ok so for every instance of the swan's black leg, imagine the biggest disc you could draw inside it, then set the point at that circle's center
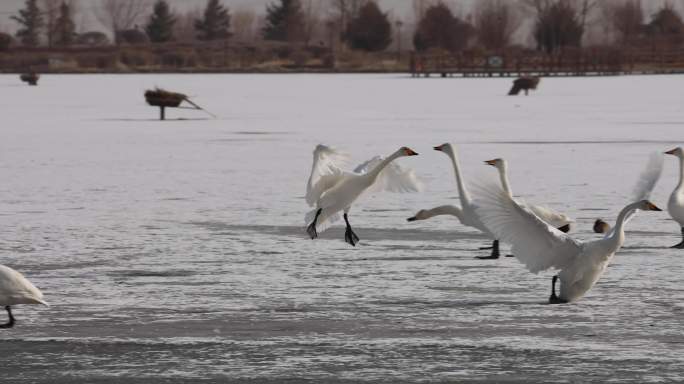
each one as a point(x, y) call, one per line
point(555, 299)
point(349, 235)
point(311, 229)
point(495, 252)
point(485, 248)
point(10, 324)
point(680, 245)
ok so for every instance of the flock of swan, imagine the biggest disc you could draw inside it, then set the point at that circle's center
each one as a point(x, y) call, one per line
point(538, 235)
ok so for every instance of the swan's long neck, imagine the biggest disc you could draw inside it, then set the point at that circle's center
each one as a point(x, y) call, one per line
point(373, 175)
point(462, 191)
point(618, 233)
point(681, 172)
point(313, 170)
point(443, 210)
point(503, 175)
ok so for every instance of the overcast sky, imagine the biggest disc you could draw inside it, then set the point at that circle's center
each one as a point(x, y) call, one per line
point(401, 8)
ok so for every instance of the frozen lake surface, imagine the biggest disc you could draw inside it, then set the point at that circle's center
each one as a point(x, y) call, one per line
point(175, 251)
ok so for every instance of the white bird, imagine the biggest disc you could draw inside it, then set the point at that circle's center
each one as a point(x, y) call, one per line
point(540, 246)
point(548, 215)
point(332, 190)
point(642, 190)
point(467, 214)
point(16, 289)
point(675, 206)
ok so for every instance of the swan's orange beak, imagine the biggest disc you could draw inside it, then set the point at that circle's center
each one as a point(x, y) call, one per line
point(671, 152)
point(652, 207)
point(439, 148)
point(491, 162)
point(411, 152)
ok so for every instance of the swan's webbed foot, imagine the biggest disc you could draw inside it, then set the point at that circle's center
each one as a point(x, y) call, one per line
point(10, 324)
point(555, 300)
point(485, 248)
point(495, 252)
point(349, 235)
point(510, 255)
point(311, 229)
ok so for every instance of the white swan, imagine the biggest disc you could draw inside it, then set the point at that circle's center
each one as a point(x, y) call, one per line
point(642, 190)
point(16, 289)
point(467, 214)
point(332, 190)
point(553, 218)
point(675, 206)
point(540, 246)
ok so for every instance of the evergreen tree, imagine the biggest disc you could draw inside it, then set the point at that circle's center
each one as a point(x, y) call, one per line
point(215, 24)
point(439, 28)
point(31, 21)
point(284, 21)
point(160, 25)
point(65, 29)
point(370, 30)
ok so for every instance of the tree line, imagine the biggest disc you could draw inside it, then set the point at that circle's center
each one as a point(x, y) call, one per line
point(492, 25)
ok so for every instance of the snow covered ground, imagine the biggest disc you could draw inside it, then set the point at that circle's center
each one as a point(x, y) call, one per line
point(176, 250)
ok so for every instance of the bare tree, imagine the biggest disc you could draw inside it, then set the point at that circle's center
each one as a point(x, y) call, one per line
point(244, 24)
point(51, 11)
point(312, 16)
point(495, 23)
point(625, 18)
point(184, 29)
point(559, 23)
point(121, 15)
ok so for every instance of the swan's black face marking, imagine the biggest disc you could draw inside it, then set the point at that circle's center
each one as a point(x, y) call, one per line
point(439, 148)
point(671, 152)
point(652, 207)
point(493, 163)
point(565, 228)
point(409, 152)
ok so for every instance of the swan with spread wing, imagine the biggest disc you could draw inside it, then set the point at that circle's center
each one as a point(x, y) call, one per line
point(553, 218)
point(540, 246)
point(331, 190)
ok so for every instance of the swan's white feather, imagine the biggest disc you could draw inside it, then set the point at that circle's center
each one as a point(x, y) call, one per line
point(16, 289)
point(550, 216)
point(326, 172)
point(536, 244)
point(648, 177)
point(394, 178)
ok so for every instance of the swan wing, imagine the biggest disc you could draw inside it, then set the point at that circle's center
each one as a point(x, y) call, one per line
point(16, 289)
point(536, 244)
point(648, 177)
point(394, 178)
point(325, 172)
point(645, 183)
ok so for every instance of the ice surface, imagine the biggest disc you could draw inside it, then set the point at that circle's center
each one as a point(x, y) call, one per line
point(175, 250)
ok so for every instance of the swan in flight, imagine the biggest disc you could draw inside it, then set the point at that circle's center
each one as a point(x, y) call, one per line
point(675, 206)
point(16, 289)
point(331, 190)
point(555, 219)
point(539, 246)
point(467, 214)
point(642, 190)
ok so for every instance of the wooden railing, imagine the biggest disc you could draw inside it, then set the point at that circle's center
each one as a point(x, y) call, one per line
point(586, 62)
